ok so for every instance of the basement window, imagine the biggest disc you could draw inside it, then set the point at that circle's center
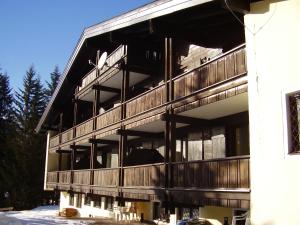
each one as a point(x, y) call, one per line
point(294, 122)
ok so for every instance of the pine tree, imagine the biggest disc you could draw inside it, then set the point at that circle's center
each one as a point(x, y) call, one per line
point(54, 79)
point(7, 128)
point(29, 106)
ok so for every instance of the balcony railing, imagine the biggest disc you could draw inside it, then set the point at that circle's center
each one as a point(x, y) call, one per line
point(67, 135)
point(221, 68)
point(108, 177)
point(109, 117)
point(111, 60)
point(64, 177)
point(81, 177)
point(54, 141)
point(52, 177)
point(229, 173)
point(217, 71)
point(144, 176)
point(146, 101)
point(84, 128)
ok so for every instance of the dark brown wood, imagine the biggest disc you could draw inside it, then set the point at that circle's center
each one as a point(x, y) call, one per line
point(186, 120)
point(139, 133)
point(103, 141)
point(105, 88)
point(85, 147)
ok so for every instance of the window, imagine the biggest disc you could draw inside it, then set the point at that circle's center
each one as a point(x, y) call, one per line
point(87, 200)
point(108, 203)
point(79, 200)
point(97, 202)
point(294, 122)
point(71, 200)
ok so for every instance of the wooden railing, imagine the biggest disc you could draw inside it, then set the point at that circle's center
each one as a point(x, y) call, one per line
point(146, 101)
point(67, 135)
point(111, 60)
point(229, 173)
point(54, 141)
point(64, 177)
point(88, 79)
point(108, 177)
point(221, 68)
point(81, 177)
point(84, 128)
point(109, 117)
point(144, 176)
point(52, 177)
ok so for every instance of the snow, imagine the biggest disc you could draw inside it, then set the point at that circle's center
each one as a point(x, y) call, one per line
point(47, 215)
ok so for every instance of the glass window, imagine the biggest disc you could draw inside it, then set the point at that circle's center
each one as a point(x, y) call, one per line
point(294, 116)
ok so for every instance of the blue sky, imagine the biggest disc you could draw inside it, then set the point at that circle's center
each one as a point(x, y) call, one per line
point(44, 33)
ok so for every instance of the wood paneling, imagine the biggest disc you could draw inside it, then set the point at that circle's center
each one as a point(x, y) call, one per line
point(84, 128)
point(144, 176)
point(147, 101)
point(227, 173)
point(52, 177)
point(67, 136)
point(106, 177)
point(110, 117)
point(81, 177)
point(220, 69)
point(54, 141)
point(64, 177)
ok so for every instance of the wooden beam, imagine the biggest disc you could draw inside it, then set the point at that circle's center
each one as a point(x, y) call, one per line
point(80, 147)
point(139, 133)
point(64, 151)
point(185, 120)
point(103, 141)
point(105, 88)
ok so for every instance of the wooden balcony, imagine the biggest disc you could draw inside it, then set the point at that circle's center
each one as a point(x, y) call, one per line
point(111, 60)
point(64, 180)
point(109, 117)
point(54, 141)
point(67, 136)
point(106, 177)
point(52, 179)
point(228, 173)
point(84, 128)
point(146, 101)
point(222, 68)
point(145, 176)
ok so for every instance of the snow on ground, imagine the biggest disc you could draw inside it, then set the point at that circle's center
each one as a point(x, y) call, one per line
point(43, 215)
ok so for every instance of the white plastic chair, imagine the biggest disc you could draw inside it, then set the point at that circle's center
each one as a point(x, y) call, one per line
point(244, 216)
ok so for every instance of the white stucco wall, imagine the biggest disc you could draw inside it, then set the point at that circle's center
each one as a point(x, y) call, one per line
point(272, 38)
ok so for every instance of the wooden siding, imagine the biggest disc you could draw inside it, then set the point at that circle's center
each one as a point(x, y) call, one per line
point(149, 100)
point(81, 177)
point(84, 128)
point(228, 173)
point(109, 117)
point(67, 136)
point(52, 177)
point(64, 177)
point(54, 141)
point(144, 176)
point(108, 177)
point(111, 60)
point(220, 69)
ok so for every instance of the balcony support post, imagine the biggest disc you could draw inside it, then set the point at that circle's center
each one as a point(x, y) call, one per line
point(93, 161)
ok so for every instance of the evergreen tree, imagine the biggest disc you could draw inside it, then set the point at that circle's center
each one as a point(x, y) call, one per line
point(29, 106)
point(7, 128)
point(54, 79)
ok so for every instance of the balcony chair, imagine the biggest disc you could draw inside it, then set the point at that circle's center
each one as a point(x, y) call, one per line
point(245, 216)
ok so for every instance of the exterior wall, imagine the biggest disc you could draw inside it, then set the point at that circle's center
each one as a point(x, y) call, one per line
point(273, 68)
point(51, 160)
point(146, 208)
point(85, 210)
point(215, 214)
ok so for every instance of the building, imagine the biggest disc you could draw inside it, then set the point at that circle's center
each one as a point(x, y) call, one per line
point(189, 93)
